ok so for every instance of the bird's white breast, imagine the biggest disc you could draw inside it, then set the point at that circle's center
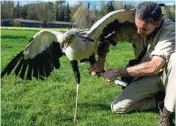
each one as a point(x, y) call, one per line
point(80, 49)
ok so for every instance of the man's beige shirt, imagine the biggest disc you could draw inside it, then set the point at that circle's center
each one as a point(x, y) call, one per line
point(163, 43)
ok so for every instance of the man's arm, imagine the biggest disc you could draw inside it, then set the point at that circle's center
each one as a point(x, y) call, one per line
point(152, 67)
point(148, 68)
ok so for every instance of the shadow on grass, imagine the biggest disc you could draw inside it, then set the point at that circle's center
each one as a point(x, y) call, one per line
point(100, 106)
point(154, 110)
point(12, 37)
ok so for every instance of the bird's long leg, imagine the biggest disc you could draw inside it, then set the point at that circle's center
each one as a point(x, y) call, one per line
point(74, 64)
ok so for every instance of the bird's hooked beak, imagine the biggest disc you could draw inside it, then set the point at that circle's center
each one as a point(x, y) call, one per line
point(66, 42)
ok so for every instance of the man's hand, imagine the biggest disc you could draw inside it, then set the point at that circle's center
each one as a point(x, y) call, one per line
point(98, 67)
point(110, 75)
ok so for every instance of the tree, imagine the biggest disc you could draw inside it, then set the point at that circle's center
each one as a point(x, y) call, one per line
point(102, 11)
point(88, 5)
point(7, 9)
point(10, 6)
point(168, 12)
point(57, 13)
point(60, 10)
point(41, 11)
point(110, 7)
point(18, 10)
point(3, 12)
point(129, 6)
point(31, 12)
point(61, 13)
point(67, 13)
point(118, 5)
point(73, 9)
point(84, 18)
point(24, 12)
point(50, 11)
point(125, 6)
point(60, 3)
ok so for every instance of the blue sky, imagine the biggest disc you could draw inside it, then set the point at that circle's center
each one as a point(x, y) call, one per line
point(93, 3)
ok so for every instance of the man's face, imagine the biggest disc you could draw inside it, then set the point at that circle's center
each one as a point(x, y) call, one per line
point(144, 28)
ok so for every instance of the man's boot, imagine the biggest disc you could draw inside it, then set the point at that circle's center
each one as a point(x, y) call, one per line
point(159, 97)
point(165, 116)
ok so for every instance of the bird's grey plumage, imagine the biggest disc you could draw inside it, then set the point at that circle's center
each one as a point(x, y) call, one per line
point(121, 16)
point(81, 46)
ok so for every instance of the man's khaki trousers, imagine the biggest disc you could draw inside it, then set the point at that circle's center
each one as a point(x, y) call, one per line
point(139, 95)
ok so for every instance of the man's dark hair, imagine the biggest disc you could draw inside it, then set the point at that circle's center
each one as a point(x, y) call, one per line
point(149, 11)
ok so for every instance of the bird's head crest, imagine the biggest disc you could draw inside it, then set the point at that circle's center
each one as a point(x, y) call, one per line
point(69, 36)
point(70, 33)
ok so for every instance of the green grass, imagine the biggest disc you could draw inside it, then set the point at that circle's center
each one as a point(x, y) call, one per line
point(51, 102)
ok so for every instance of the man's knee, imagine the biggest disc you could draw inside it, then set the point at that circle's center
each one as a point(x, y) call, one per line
point(123, 106)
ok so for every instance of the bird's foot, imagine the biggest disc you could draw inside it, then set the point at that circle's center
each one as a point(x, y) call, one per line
point(75, 119)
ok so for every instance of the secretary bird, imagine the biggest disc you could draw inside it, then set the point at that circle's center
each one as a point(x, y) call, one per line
point(41, 56)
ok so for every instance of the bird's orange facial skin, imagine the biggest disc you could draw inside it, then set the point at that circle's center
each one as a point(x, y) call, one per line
point(145, 28)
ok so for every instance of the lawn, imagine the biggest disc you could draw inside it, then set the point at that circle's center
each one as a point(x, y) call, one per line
point(51, 102)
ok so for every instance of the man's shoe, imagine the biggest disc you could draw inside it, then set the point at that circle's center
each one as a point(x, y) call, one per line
point(165, 116)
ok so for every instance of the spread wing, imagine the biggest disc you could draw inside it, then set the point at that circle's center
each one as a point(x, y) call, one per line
point(39, 58)
point(108, 25)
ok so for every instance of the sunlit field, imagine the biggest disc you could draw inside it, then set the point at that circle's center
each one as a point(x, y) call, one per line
point(51, 102)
